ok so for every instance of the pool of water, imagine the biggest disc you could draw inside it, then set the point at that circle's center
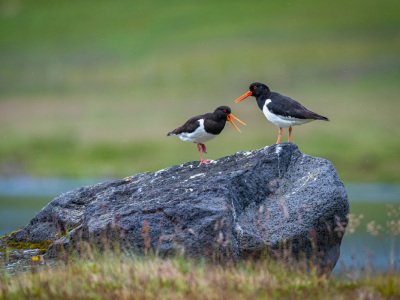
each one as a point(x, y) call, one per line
point(22, 198)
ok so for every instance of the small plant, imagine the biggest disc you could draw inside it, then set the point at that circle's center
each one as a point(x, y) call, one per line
point(354, 223)
point(125, 276)
point(109, 272)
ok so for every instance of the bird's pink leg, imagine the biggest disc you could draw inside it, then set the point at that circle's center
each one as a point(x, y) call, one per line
point(278, 140)
point(202, 148)
point(290, 134)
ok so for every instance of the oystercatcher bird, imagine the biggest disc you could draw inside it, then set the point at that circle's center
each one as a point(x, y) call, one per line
point(202, 128)
point(280, 110)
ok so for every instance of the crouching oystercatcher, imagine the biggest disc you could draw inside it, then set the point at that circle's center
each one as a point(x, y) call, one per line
point(202, 128)
point(280, 110)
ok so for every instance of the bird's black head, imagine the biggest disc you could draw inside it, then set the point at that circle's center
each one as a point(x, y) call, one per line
point(225, 113)
point(256, 89)
point(222, 111)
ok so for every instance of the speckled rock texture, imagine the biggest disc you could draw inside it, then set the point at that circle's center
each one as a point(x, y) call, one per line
point(273, 200)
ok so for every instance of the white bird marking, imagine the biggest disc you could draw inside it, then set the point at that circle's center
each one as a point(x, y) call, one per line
point(282, 121)
point(198, 136)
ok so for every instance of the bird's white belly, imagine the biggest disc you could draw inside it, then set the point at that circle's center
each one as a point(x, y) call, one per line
point(197, 136)
point(282, 121)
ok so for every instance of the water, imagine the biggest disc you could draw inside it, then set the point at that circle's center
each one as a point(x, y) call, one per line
point(363, 251)
point(22, 198)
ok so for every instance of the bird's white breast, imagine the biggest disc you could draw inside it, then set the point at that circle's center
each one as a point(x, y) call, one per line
point(281, 121)
point(198, 136)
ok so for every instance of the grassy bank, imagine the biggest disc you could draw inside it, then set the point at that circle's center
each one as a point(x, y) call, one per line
point(124, 277)
point(90, 89)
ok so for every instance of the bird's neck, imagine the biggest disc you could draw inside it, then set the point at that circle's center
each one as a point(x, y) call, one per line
point(262, 98)
point(217, 117)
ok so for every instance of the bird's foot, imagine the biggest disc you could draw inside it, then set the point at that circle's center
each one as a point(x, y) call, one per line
point(205, 162)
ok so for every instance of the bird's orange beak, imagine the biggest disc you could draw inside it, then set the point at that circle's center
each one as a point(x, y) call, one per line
point(231, 117)
point(244, 96)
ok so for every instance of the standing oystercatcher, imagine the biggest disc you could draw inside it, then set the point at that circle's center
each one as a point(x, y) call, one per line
point(203, 128)
point(280, 110)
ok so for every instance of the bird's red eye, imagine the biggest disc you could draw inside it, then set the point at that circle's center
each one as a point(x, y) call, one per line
point(254, 87)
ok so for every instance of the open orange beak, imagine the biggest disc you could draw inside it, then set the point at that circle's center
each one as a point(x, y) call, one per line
point(231, 117)
point(244, 96)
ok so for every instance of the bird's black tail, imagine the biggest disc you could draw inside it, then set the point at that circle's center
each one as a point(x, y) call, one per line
point(316, 116)
point(322, 118)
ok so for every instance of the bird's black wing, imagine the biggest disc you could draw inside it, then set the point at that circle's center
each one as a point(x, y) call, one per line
point(189, 126)
point(288, 107)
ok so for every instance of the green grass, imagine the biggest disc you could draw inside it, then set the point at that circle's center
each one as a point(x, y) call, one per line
point(28, 203)
point(377, 212)
point(127, 277)
point(116, 275)
point(91, 88)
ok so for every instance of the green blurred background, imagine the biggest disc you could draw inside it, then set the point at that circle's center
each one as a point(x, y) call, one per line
point(90, 88)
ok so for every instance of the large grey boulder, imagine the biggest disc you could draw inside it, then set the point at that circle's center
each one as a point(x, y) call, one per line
point(273, 200)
